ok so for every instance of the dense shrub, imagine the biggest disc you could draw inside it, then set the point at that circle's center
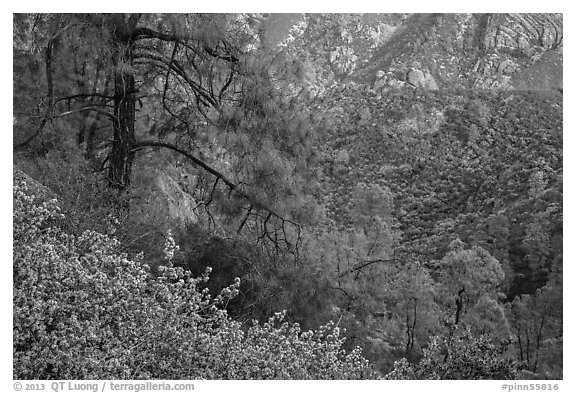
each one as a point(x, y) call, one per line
point(82, 310)
point(461, 355)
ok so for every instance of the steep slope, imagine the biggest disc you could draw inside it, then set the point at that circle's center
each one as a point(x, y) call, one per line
point(473, 51)
point(459, 115)
point(485, 51)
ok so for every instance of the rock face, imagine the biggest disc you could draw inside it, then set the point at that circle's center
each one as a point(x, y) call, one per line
point(487, 51)
point(426, 51)
point(179, 204)
point(524, 32)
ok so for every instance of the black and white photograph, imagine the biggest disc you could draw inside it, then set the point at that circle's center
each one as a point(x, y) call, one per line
point(287, 196)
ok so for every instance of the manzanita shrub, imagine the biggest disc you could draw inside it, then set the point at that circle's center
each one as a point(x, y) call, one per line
point(84, 310)
point(460, 355)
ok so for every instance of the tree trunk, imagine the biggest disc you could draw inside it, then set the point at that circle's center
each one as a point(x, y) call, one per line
point(459, 305)
point(122, 154)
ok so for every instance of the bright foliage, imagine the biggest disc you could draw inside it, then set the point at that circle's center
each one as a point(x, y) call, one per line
point(82, 310)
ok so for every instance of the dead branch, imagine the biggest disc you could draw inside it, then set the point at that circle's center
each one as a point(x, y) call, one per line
point(233, 187)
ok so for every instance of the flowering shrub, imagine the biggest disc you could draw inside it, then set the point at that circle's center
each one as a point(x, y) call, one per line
point(82, 310)
point(462, 356)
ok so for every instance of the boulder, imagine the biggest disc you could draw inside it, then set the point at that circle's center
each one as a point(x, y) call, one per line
point(421, 79)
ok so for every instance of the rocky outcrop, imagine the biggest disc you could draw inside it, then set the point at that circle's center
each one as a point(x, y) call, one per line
point(485, 51)
point(388, 80)
point(524, 32)
point(414, 77)
point(180, 206)
point(426, 51)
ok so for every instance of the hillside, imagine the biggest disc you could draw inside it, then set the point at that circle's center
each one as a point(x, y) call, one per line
point(454, 160)
point(386, 190)
point(485, 51)
point(459, 118)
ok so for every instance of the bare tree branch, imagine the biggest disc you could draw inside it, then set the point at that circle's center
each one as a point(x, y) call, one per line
point(224, 56)
point(361, 265)
point(175, 66)
point(231, 185)
point(80, 96)
point(90, 108)
point(141, 33)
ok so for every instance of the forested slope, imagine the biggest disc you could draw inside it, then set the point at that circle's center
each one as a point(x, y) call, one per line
point(455, 161)
point(397, 174)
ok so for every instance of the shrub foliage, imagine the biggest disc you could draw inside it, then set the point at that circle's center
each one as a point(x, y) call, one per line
point(83, 310)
